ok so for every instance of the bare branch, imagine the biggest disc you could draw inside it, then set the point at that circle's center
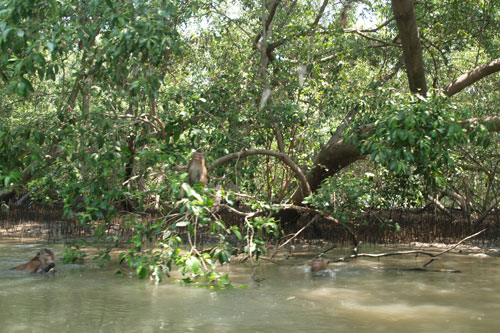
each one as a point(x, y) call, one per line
point(328, 58)
point(380, 41)
point(279, 136)
point(281, 156)
point(269, 20)
point(439, 205)
point(399, 253)
point(229, 20)
point(404, 12)
point(374, 29)
point(296, 234)
point(345, 123)
point(486, 212)
point(394, 71)
point(320, 14)
point(457, 244)
point(323, 215)
point(467, 79)
point(272, 46)
point(492, 123)
point(144, 120)
point(380, 255)
point(237, 212)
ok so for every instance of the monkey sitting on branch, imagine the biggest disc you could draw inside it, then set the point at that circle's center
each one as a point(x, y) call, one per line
point(197, 171)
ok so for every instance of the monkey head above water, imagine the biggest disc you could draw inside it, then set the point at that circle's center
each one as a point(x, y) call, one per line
point(318, 264)
point(43, 262)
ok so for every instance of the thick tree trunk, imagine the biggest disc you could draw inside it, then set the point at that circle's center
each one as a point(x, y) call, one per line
point(337, 155)
point(404, 12)
point(331, 159)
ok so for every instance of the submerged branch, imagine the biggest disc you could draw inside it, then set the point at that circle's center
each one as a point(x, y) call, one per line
point(398, 253)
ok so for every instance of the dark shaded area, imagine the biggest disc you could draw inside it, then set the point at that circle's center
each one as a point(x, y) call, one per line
point(427, 226)
point(37, 221)
point(377, 227)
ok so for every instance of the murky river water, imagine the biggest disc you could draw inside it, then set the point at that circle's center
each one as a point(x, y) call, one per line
point(362, 296)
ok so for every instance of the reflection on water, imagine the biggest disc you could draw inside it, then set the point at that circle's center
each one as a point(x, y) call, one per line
point(362, 296)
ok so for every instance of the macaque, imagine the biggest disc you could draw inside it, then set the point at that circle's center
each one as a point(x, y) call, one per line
point(343, 19)
point(197, 172)
point(43, 262)
point(318, 264)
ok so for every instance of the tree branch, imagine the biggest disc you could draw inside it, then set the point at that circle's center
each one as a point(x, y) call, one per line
point(339, 154)
point(323, 215)
point(320, 14)
point(372, 30)
point(269, 20)
point(471, 77)
point(382, 42)
point(399, 253)
point(281, 156)
point(404, 12)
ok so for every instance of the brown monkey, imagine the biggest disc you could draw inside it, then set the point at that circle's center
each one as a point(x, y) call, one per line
point(43, 262)
point(318, 264)
point(197, 171)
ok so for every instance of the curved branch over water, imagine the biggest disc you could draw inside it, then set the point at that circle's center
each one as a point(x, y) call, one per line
point(304, 184)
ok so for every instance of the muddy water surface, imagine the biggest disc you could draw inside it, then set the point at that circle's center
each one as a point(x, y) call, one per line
point(362, 296)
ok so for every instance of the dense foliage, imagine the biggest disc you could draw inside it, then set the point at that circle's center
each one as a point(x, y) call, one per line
point(102, 101)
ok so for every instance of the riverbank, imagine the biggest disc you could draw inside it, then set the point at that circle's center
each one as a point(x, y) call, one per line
point(415, 229)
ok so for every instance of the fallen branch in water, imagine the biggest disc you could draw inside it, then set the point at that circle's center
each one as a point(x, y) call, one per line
point(430, 254)
point(325, 216)
point(294, 236)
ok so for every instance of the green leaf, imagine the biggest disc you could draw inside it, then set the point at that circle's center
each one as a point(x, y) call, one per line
point(51, 46)
point(237, 233)
point(142, 272)
point(182, 224)
point(6, 33)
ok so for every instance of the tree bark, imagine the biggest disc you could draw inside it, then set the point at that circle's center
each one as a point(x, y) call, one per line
point(471, 77)
point(404, 12)
point(330, 160)
point(337, 155)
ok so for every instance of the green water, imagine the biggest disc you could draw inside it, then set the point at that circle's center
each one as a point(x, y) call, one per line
point(362, 296)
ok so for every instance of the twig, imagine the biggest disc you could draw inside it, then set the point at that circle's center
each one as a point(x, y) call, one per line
point(380, 41)
point(486, 212)
point(325, 251)
point(237, 212)
point(298, 232)
point(295, 235)
point(463, 240)
point(373, 29)
point(322, 215)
